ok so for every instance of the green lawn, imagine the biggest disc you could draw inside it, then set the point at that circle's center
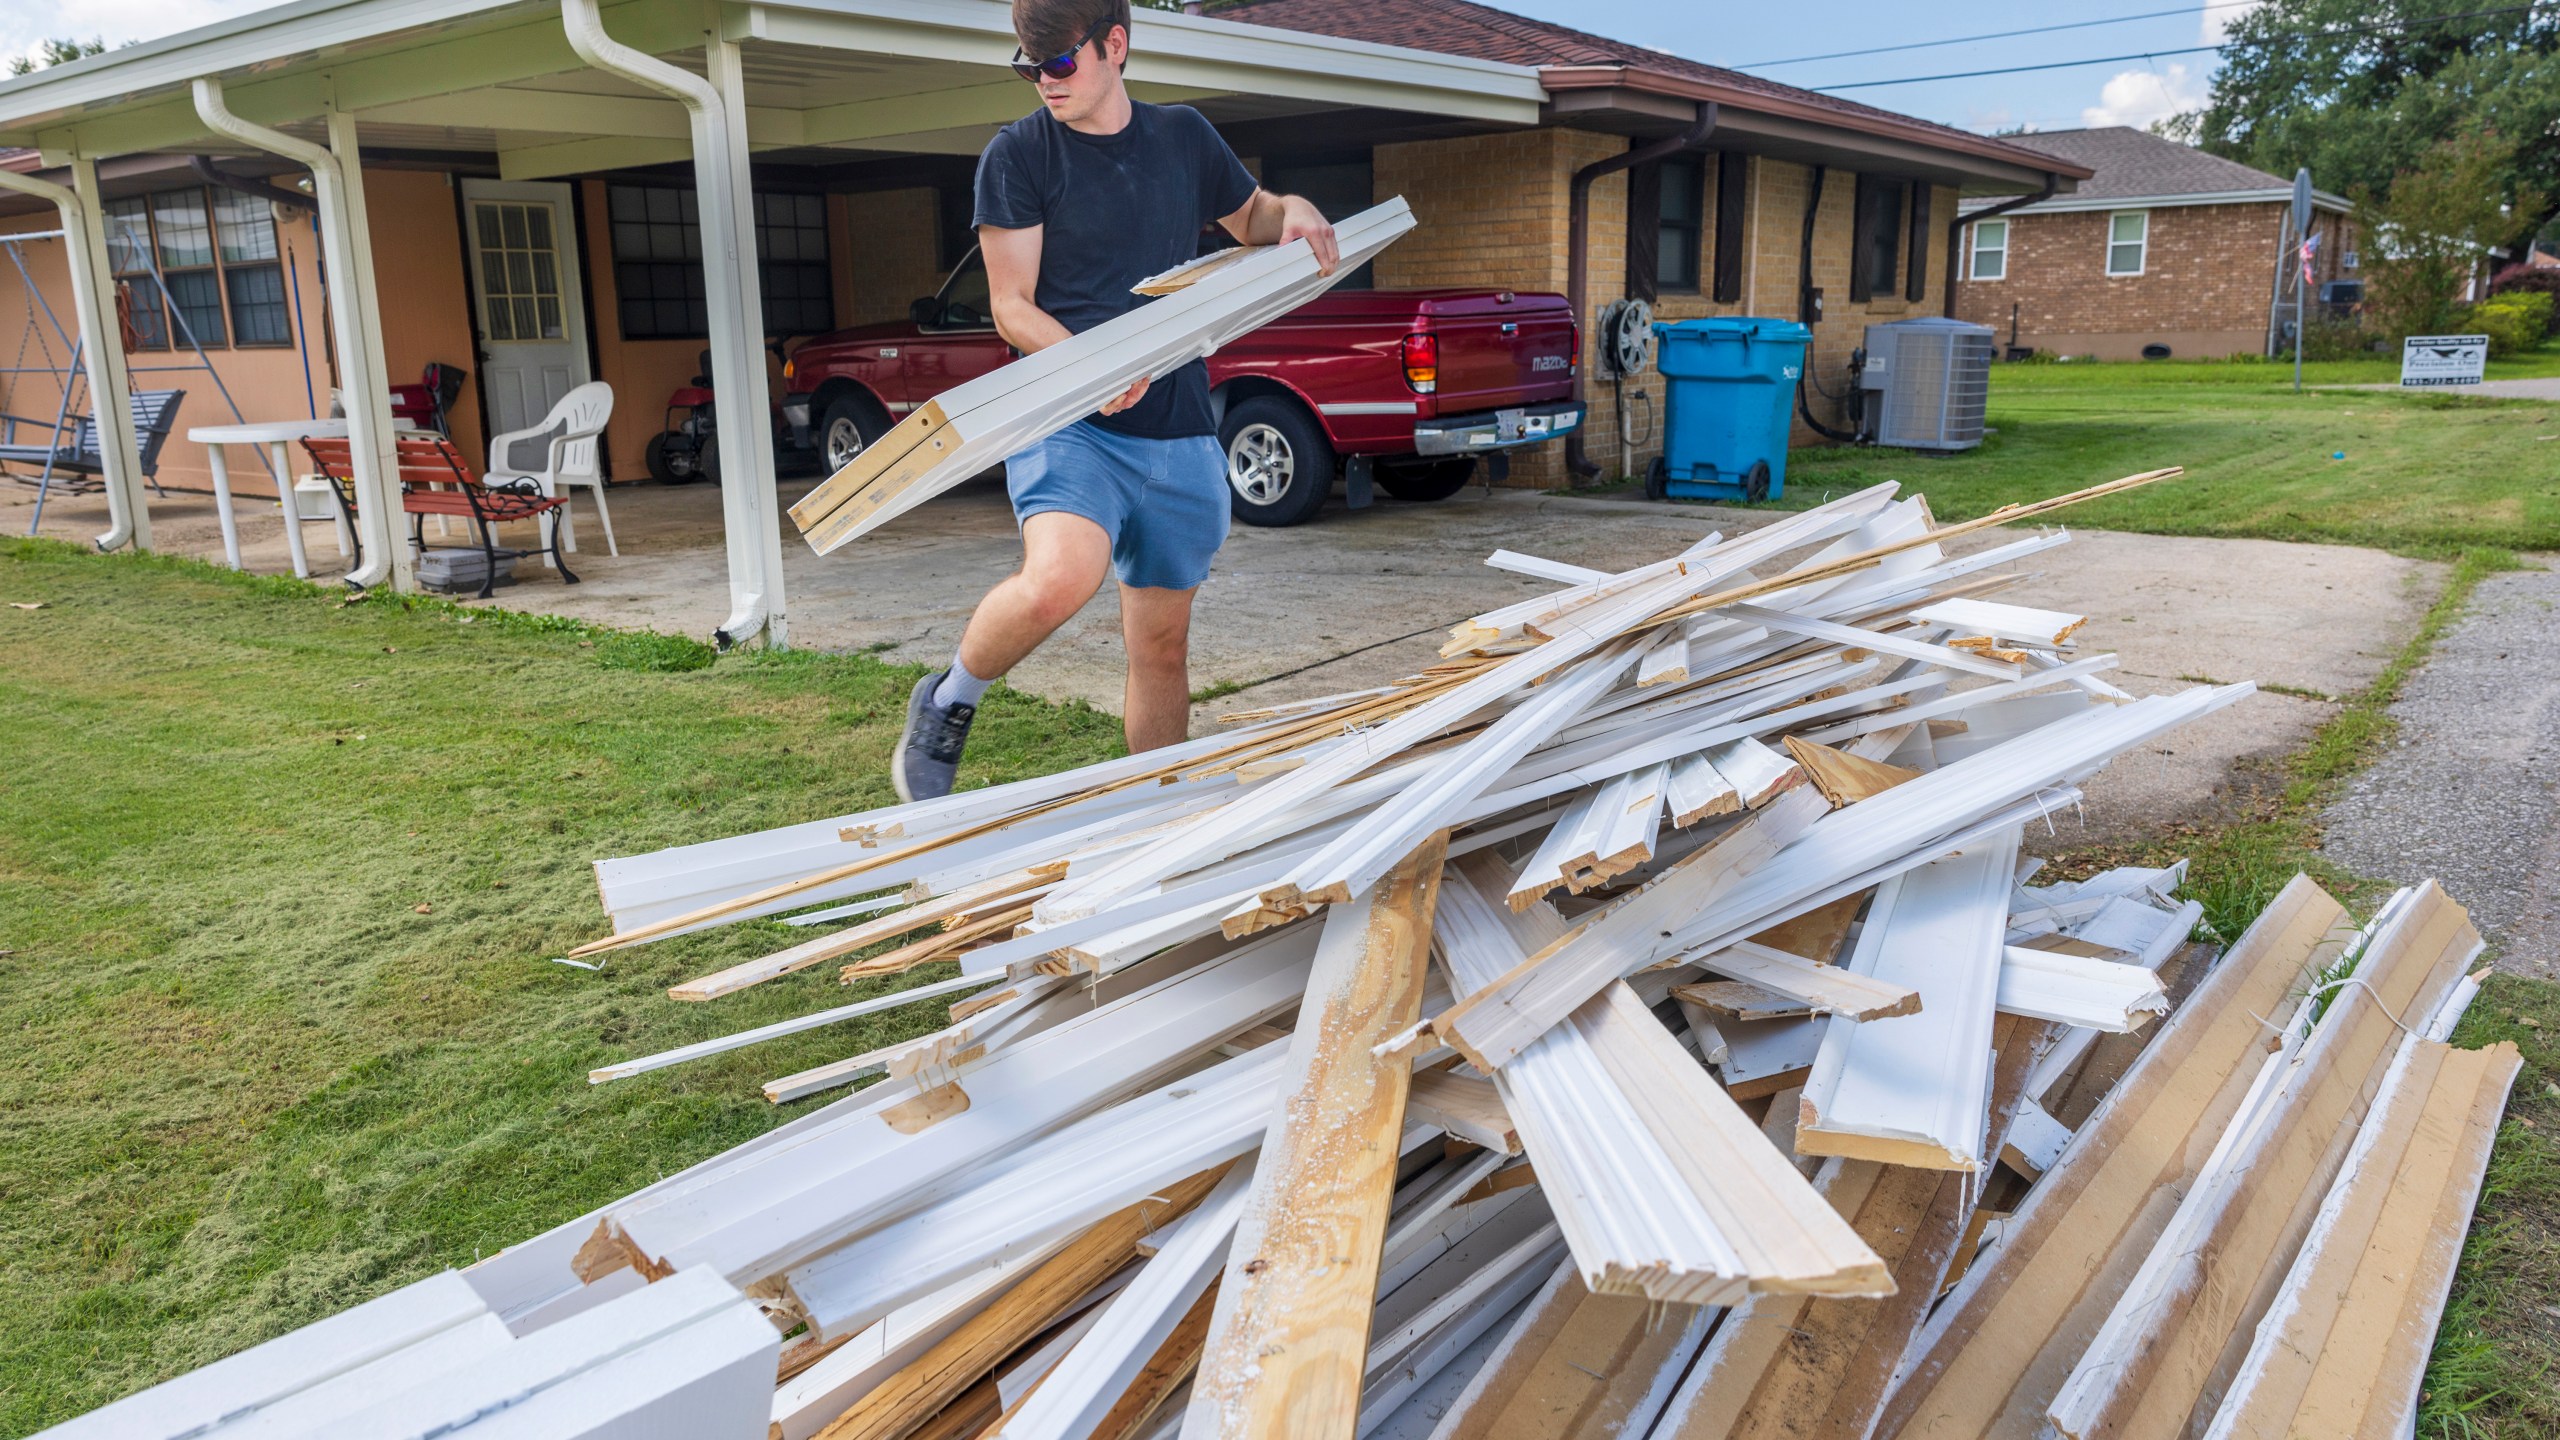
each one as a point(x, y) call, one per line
point(249, 1082)
point(2424, 474)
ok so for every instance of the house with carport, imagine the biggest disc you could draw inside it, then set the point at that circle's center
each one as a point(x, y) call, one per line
point(331, 194)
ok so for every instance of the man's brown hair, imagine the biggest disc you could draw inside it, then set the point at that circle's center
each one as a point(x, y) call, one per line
point(1049, 28)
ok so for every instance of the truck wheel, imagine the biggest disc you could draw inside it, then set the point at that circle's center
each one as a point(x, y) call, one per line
point(849, 427)
point(670, 465)
point(1421, 481)
point(1279, 464)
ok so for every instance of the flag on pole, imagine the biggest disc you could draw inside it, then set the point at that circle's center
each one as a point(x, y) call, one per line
point(2310, 244)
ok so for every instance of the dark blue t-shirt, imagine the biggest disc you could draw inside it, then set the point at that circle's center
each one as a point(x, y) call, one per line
point(1115, 209)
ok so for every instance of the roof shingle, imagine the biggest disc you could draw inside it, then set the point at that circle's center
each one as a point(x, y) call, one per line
point(2134, 163)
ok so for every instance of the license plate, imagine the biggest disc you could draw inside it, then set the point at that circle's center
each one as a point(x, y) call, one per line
point(1507, 423)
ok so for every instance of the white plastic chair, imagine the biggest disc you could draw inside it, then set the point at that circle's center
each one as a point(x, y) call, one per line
point(569, 458)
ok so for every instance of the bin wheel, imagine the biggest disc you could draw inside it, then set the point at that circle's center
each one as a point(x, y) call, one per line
point(1657, 480)
point(1755, 484)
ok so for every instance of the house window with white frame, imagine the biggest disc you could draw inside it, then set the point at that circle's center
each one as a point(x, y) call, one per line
point(2128, 241)
point(1990, 250)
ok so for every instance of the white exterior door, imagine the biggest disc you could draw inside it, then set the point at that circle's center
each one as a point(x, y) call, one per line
point(527, 303)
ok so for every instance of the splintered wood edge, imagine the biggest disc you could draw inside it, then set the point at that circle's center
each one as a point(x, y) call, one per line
point(608, 1250)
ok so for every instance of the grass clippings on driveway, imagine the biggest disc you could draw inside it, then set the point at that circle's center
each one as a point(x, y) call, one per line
point(279, 880)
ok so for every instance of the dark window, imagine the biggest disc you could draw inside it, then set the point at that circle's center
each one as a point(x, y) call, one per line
point(217, 250)
point(1683, 223)
point(657, 262)
point(956, 206)
point(1339, 185)
point(1732, 176)
point(1918, 286)
point(1875, 261)
point(791, 247)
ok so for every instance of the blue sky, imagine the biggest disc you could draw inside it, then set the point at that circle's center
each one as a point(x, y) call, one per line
point(2128, 92)
point(2125, 92)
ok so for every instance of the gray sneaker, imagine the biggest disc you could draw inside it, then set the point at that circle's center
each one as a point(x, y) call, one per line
point(928, 755)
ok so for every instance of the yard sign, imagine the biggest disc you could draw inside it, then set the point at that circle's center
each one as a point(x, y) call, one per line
point(2443, 359)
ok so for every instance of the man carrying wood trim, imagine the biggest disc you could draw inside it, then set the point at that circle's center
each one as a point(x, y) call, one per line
point(1076, 202)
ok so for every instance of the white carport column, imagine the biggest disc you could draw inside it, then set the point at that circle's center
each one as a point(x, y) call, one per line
point(355, 320)
point(734, 306)
point(84, 241)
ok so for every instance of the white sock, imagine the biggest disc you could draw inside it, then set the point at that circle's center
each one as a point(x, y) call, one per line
point(959, 687)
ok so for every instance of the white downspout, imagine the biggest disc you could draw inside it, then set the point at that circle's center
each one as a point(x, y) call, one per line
point(734, 306)
point(369, 438)
point(102, 349)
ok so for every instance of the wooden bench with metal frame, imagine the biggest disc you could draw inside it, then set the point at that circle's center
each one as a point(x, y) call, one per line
point(427, 464)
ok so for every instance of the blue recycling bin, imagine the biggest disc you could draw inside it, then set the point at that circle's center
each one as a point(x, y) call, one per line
point(1731, 403)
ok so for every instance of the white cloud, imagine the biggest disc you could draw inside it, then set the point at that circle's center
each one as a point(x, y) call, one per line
point(2216, 22)
point(26, 24)
point(2138, 97)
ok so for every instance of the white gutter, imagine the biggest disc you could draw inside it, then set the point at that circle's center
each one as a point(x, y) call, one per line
point(368, 436)
point(109, 396)
point(733, 304)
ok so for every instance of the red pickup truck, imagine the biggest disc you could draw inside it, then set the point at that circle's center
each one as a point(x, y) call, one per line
point(1403, 388)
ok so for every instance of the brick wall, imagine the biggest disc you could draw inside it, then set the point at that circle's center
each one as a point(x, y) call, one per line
point(2207, 280)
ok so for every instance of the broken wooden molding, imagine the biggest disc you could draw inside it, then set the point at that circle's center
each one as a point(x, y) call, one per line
point(2345, 1344)
point(2176, 1334)
point(1666, 663)
point(792, 1026)
point(984, 419)
point(913, 1394)
point(2074, 990)
point(1883, 642)
point(1056, 1185)
point(1576, 1364)
point(784, 1204)
point(1961, 701)
point(1843, 778)
point(846, 941)
point(1698, 791)
point(1287, 1340)
point(1914, 1092)
point(1817, 989)
point(1741, 1000)
point(2036, 1141)
point(1538, 567)
point(1464, 1105)
point(1093, 1376)
point(1998, 1349)
point(1664, 1188)
point(1463, 1293)
point(2019, 624)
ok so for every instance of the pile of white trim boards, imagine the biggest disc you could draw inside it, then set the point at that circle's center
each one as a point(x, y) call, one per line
point(1640, 1023)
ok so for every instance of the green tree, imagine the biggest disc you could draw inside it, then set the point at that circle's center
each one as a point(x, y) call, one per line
point(2361, 90)
point(2426, 232)
point(55, 52)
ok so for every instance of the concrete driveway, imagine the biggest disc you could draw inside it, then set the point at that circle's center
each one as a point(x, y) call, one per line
point(1359, 598)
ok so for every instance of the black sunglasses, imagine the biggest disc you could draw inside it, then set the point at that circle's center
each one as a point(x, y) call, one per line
point(1064, 65)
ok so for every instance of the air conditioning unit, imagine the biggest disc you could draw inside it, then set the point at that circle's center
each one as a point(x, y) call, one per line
point(1934, 376)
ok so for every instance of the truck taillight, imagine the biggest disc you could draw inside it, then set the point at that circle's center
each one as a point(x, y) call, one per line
point(1573, 357)
point(1422, 362)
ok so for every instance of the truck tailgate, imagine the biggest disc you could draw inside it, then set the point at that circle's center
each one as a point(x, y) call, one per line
point(1499, 349)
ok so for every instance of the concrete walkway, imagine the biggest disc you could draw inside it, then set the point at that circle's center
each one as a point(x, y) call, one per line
point(1360, 598)
point(2470, 792)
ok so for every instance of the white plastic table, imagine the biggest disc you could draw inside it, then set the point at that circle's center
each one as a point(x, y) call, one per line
point(278, 436)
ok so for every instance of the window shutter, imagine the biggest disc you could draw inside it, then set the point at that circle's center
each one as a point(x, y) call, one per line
point(1918, 287)
point(1732, 172)
point(1861, 235)
point(1644, 231)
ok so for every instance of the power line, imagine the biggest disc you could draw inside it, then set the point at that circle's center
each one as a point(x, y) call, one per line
point(2001, 35)
point(2342, 32)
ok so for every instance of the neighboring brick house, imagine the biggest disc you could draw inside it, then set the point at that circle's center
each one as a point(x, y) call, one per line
point(1728, 233)
point(2164, 251)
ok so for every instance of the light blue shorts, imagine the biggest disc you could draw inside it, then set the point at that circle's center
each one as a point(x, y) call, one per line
point(1163, 502)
